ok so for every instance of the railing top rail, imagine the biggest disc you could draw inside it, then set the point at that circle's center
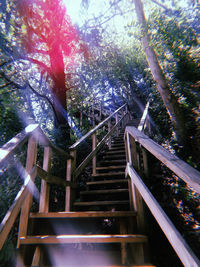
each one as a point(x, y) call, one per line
point(17, 141)
point(183, 170)
point(143, 119)
point(92, 131)
point(182, 249)
point(10, 147)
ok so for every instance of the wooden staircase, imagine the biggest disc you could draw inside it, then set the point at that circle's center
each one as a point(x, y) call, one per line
point(98, 232)
point(103, 222)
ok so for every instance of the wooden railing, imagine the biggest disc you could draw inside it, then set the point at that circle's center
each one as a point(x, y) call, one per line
point(136, 140)
point(73, 171)
point(30, 136)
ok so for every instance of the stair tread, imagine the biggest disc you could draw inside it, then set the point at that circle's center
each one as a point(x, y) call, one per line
point(83, 214)
point(66, 239)
point(100, 203)
point(110, 167)
point(107, 182)
point(116, 151)
point(108, 174)
point(106, 191)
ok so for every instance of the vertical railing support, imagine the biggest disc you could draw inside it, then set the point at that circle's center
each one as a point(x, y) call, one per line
point(45, 187)
point(109, 139)
point(71, 166)
point(116, 121)
point(94, 160)
point(30, 161)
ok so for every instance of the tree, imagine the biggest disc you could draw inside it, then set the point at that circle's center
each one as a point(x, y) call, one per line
point(168, 97)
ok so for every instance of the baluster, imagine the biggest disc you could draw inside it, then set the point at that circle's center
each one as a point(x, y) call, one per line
point(116, 122)
point(45, 187)
point(30, 161)
point(109, 139)
point(94, 144)
point(70, 193)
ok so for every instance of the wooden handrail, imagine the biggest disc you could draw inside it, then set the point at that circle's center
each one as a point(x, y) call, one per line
point(13, 212)
point(92, 131)
point(94, 152)
point(16, 142)
point(182, 249)
point(183, 170)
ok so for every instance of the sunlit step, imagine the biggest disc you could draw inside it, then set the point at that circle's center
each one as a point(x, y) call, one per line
point(69, 239)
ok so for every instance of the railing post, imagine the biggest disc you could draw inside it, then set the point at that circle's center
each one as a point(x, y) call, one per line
point(71, 166)
point(44, 199)
point(45, 187)
point(30, 161)
point(133, 158)
point(109, 139)
point(116, 121)
point(94, 144)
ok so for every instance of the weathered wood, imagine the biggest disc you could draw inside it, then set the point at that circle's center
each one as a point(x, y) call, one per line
point(188, 174)
point(104, 191)
point(109, 139)
point(65, 239)
point(45, 188)
point(182, 249)
point(83, 138)
point(94, 160)
point(16, 142)
point(31, 160)
point(71, 165)
point(107, 182)
point(101, 203)
point(13, 211)
point(84, 214)
point(51, 179)
point(93, 153)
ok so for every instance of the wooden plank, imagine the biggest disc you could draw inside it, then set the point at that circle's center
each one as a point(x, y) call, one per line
point(13, 211)
point(187, 173)
point(70, 239)
point(84, 214)
point(11, 146)
point(109, 174)
point(107, 182)
point(69, 195)
point(182, 249)
point(45, 188)
point(30, 162)
point(111, 167)
point(105, 191)
point(94, 160)
point(101, 203)
point(53, 179)
point(81, 167)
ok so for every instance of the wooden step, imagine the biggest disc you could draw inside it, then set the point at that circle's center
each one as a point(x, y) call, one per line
point(107, 182)
point(100, 203)
point(83, 214)
point(106, 191)
point(108, 175)
point(113, 162)
point(69, 239)
point(117, 147)
point(110, 152)
point(110, 168)
point(114, 156)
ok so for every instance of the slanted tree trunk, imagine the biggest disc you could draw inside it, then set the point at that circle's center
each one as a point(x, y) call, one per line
point(169, 99)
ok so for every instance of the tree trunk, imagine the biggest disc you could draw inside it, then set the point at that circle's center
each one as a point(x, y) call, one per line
point(169, 99)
